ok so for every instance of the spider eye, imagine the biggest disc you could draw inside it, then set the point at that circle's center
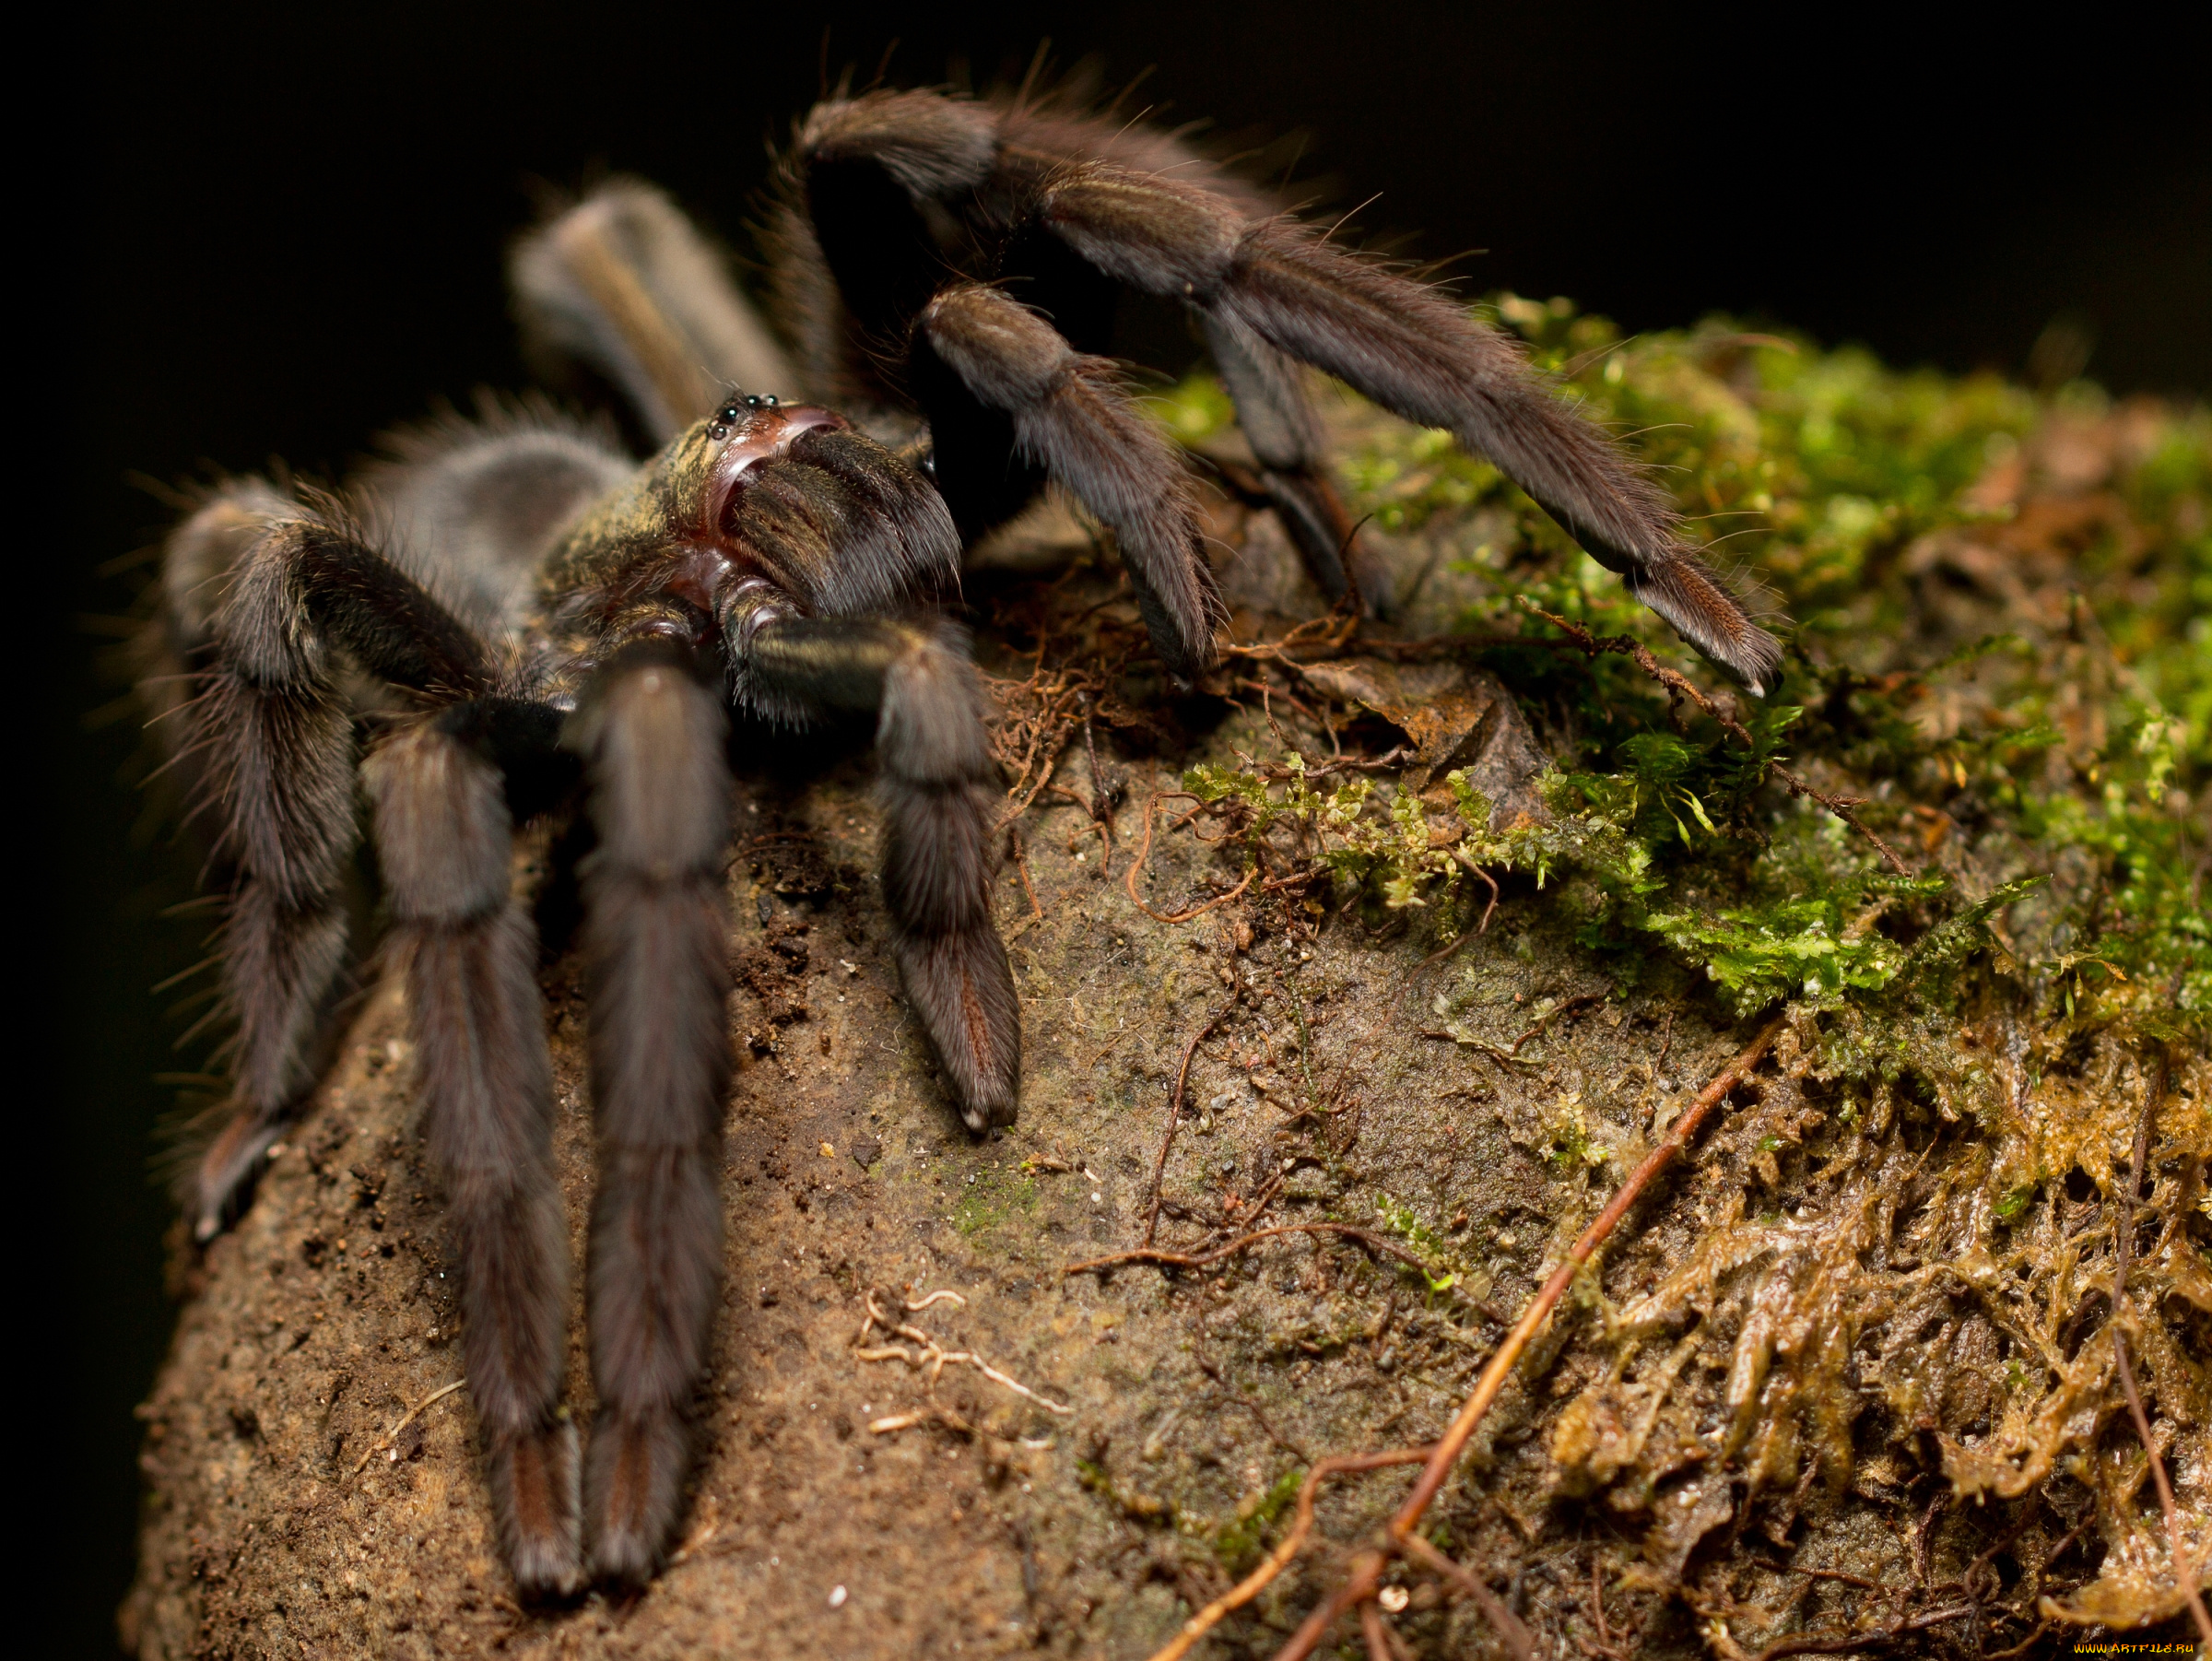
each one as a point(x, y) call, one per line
point(718, 433)
point(729, 412)
point(752, 400)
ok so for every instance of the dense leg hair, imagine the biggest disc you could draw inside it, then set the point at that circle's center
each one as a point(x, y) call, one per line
point(977, 352)
point(443, 838)
point(1416, 354)
point(656, 944)
point(273, 743)
point(937, 773)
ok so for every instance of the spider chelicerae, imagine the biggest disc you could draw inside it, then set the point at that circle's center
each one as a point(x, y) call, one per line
point(514, 617)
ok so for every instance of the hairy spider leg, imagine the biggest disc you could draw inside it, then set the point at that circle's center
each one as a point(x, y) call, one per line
point(444, 840)
point(625, 283)
point(867, 165)
point(274, 743)
point(937, 799)
point(830, 538)
point(656, 953)
point(1285, 436)
point(1412, 351)
point(993, 377)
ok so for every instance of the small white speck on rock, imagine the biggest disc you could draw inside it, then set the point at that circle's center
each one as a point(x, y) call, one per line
point(837, 1597)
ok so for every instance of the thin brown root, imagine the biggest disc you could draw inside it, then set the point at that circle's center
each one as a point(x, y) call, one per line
point(1144, 851)
point(2184, 1572)
point(1182, 1077)
point(1292, 1543)
point(1518, 1638)
point(1364, 1576)
point(1193, 1260)
point(1539, 1308)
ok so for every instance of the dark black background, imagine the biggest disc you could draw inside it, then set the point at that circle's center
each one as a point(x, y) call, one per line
point(280, 229)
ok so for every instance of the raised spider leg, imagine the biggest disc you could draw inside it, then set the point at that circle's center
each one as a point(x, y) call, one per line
point(657, 946)
point(625, 283)
point(274, 744)
point(982, 361)
point(444, 839)
point(936, 793)
point(1412, 351)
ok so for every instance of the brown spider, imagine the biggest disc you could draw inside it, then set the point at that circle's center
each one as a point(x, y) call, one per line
point(514, 616)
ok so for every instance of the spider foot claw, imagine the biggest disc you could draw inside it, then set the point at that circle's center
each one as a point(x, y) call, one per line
point(534, 1490)
point(636, 1481)
point(963, 989)
point(222, 1184)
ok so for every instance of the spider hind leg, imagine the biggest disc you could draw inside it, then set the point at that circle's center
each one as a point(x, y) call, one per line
point(657, 952)
point(1415, 353)
point(445, 840)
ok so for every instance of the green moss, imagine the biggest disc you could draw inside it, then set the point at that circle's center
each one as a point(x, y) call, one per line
point(1237, 1543)
point(990, 1198)
point(1401, 1219)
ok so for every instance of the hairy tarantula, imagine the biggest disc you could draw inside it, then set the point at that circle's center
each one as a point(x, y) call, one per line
point(514, 616)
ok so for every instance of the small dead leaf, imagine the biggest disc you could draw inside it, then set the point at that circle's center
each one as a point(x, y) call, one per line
point(1457, 718)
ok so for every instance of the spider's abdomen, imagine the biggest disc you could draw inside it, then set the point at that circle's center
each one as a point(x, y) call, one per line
point(475, 509)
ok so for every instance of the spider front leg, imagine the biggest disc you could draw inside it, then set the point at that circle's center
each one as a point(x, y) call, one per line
point(1416, 354)
point(657, 946)
point(444, 840)
point(273, 742)
point(936, 793)
point(993, 377)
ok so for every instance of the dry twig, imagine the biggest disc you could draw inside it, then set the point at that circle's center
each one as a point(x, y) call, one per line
point(936, 1358)
point(390, 1439)
point(1194, 1260)
point(1364, 1577)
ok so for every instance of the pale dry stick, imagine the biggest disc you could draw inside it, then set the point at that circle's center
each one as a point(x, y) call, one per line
point(1367, 1569)
point(1293, 1542)
point(934, 1357)
point(2184, 1572)
point(1182, 1076)
point(391, 1437)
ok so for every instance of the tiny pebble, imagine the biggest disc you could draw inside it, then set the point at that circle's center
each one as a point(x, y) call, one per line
point(1392, 1598)
point(837, 1597)
point(829, 1152)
